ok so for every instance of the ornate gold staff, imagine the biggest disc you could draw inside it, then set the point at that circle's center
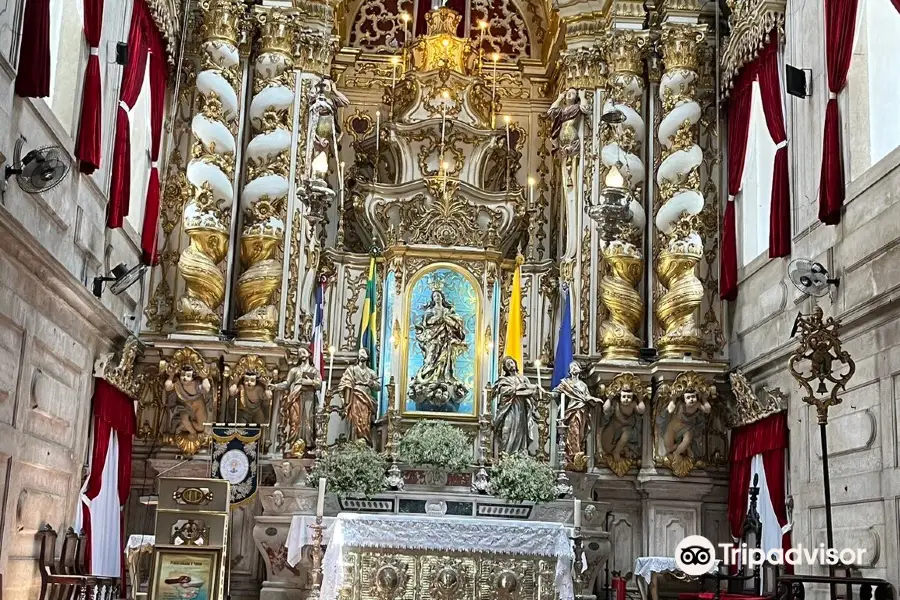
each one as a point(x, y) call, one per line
point(820, 347)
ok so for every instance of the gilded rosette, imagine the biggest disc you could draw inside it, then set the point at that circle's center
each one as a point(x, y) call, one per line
point(680, 197)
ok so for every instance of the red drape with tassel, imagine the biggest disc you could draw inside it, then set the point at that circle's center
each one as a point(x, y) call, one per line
point(158, 75)
point(739, 107)
point(132, 80)
point(840, 22)
point(33, 71)
point(768, 437)
point(87, 147)
point(770, 93)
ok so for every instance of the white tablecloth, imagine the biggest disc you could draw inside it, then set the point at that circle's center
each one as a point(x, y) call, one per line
point(646, 566)
point(456, 534)
point(136, 542)
point(300, 535)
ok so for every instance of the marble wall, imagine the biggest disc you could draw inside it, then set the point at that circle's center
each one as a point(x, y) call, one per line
point(51, 327)
point(864, 443)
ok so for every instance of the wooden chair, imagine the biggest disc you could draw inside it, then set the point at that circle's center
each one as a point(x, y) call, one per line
point(107, 587)
point(747, 583)
point(56, 585)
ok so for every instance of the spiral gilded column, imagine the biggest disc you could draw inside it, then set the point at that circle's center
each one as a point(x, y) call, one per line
point(211, 169)
point(264, 197)
point(678, 178)
point(624, 51)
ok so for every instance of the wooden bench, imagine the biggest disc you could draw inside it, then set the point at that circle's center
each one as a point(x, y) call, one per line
point(67, 579)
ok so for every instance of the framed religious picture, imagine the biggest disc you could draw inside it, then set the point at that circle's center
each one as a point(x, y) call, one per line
point(186, 573)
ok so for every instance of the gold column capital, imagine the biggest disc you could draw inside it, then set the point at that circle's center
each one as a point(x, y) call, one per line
point(680, 44)
point(221, 20)
point(584, 67)
point(277, 29)
point(625, 50)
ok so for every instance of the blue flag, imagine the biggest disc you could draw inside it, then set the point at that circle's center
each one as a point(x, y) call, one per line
point(564, 350)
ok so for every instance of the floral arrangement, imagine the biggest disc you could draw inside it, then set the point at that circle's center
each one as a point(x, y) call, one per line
point(521, 478)
point(352, 469)
point(438, 444)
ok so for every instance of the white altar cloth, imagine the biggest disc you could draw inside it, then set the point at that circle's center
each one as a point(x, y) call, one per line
point(300, 535)
point(455, 534)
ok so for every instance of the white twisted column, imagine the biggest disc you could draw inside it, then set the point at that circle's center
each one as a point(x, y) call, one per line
point(264, 197)
point(681, 246)
point(211, 169)
point(622, 150)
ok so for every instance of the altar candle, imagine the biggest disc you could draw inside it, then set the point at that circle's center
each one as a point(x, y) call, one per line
point(397, 397)
point(320, 505)
point(377, 139)
point(531, 192)
point(486, 403)
point(494, 57)
point(537, 365)
point(577, 513)
point(330, 364)
point(446, 96)
point(562, 407)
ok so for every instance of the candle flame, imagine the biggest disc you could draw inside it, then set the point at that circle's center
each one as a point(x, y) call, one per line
point(395, 60)
point(495, 56)
point(614, 178)
point(482, 24)
point(446, 43)
point(531, 181)
point(507, 119)
point(537, 364)
point(404, 16)
point(445, 95)
point(331, 350)
point(377, 113)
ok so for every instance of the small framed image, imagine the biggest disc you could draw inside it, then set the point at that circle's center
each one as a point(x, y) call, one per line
point(186, 573)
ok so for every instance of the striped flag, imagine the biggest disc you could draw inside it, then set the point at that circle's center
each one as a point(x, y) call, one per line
point(368, 328)
point(514, 320)
point(317, 347)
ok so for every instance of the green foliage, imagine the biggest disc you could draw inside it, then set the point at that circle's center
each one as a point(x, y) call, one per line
point(521, 478)
point(352, 469)
point(438, 444)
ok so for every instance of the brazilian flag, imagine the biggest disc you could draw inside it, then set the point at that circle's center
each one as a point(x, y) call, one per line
point(369, 327)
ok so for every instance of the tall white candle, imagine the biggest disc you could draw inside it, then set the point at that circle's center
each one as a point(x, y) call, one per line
point(531, 192)
point(495, 57)
point(562, 407)
point(508, 143)
point(320, 505)
point(486, 402)
point(577, 513)
point(377, 139)
point(537, 365)
point(397, 397)
point(330, 365)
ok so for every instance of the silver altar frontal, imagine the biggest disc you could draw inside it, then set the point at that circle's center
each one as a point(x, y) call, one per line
point(372, 557)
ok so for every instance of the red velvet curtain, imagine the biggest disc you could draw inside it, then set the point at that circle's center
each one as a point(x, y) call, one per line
point(770, 93)
point(132, 80)
point(113, 411)
point(896, 4)
point(738, 134)
point(840, 22)
point(768, 437)
point(33, 71)
point(158, 75)
point(87, 147)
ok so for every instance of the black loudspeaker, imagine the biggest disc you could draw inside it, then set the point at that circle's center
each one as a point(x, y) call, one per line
point(649, 354)
point(796, 82)
point(122, 53)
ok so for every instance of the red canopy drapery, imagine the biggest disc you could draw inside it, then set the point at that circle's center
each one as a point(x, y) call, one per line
point(33, 70)
point(840, 22)
point(113, 412)
point(769, 438)
point(87, 147)
point(158, 75)
point(738, 133)
point(770, 93)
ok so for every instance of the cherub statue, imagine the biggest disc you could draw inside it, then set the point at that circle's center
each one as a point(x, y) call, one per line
point(578, 404)
point(357, 385)
point(685, 416)
point(298, 408)
point(188, 395)
point(324, 131)
point(255, 399)
point(516, 418)
point(567, 113)
point(622, 410)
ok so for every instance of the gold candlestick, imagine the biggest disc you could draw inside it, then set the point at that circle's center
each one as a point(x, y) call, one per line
point(317, 536)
